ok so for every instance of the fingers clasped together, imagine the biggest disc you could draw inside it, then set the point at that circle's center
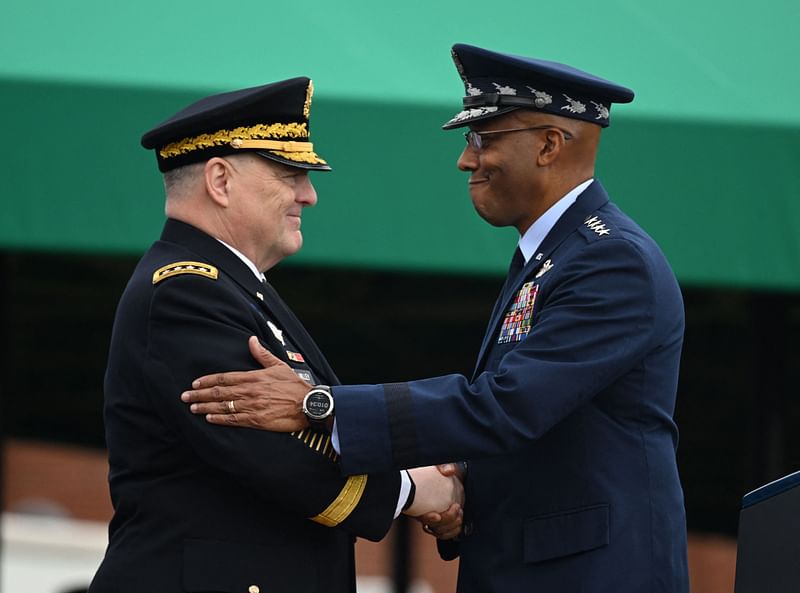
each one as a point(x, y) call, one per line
point(439, 487)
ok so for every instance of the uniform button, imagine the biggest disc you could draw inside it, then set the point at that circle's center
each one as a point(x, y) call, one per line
point(253, 589)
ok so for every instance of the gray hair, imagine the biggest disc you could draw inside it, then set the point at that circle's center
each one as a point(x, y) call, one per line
point(176, 181)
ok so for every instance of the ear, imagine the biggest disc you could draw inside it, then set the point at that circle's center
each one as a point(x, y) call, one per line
point(217, 176)
point(553, 144)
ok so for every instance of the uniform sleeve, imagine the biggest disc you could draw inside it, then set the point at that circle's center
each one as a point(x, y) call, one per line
point(197, 327)
point(596, 324)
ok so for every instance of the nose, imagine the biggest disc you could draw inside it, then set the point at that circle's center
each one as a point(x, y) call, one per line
point(305, 193)
point(468, 161)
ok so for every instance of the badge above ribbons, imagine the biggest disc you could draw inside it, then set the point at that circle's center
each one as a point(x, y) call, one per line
point(518, 318)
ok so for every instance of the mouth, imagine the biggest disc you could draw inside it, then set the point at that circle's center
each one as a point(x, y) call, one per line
point(477, 180)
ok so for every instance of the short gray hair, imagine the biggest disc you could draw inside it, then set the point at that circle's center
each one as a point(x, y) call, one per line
point(176, 180)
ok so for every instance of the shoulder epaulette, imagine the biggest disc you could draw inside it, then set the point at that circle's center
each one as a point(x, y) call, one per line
point(594, 226)
point(185, 267)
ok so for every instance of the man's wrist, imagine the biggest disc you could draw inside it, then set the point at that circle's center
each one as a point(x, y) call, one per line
point(411, 493)
point(318, 407)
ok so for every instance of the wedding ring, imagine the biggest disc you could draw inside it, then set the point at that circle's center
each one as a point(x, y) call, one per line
point(231, 407)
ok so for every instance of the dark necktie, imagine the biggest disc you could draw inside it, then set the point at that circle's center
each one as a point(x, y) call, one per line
point(517, 263)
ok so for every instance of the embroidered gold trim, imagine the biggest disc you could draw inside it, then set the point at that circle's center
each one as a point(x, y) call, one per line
point(222, 137)
point(289, 146)
point(309, 438)
point(344, 504)
point(307, 104)
point(302, 157)
point(185, 267)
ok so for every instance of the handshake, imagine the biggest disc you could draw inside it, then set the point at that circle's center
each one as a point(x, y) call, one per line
point(438, 500)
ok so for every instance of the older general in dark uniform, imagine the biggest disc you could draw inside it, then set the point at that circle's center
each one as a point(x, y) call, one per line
point(572, 482)
point(199, 507)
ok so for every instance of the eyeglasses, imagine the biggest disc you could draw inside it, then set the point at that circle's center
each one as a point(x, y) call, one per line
point(474, 138)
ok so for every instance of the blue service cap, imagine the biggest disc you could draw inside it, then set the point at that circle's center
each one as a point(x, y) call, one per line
point(497, 83)
point(271, 120)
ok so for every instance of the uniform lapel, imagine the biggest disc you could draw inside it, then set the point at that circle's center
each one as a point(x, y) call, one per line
point(289, 323)
point(589, 201)
point(262, 293)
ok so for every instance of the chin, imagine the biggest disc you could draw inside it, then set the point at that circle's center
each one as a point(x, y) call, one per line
point(295, 244)
point(487, 216)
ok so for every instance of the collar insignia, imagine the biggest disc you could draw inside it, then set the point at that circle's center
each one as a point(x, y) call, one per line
point(277, 333)
point(546, 267)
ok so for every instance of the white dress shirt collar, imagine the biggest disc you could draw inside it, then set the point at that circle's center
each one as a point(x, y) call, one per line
point(533, 237)
point(247, 262)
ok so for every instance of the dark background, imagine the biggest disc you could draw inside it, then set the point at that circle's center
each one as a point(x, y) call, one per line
point(735, 404)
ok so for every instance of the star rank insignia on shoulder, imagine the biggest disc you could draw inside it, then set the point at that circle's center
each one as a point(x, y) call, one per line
point(594, 223)
point(185, 267)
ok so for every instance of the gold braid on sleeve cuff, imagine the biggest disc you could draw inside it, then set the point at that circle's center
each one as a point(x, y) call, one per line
point(344, 504)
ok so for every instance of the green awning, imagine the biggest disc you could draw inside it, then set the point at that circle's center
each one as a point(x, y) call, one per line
point(706, 158)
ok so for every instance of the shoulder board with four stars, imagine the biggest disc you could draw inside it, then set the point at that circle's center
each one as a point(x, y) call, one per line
point(185, 267)
point(594, 227)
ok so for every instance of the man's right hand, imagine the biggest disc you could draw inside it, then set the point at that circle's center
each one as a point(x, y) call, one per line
point(435, 492)
point(445, 524)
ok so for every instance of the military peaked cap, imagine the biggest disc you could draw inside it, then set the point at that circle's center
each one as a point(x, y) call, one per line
point(497, 83)
point(270, 120)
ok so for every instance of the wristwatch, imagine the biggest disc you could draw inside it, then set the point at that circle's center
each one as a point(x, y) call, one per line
point(318, 406)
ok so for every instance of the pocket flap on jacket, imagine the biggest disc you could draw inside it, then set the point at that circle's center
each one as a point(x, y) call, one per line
point(561, 534)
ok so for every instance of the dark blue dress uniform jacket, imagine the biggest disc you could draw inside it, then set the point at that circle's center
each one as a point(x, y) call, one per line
point(572, 484)
point(199, 507)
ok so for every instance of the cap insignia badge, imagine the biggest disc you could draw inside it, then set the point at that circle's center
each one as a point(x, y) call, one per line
point(505, 90)
point(574, 106)
point(468, 113)
point(472, 91)
point(602, 110)
point(542, 99)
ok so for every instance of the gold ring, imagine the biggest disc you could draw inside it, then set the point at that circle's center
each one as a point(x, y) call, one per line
point(231, 407)
point(427, 529)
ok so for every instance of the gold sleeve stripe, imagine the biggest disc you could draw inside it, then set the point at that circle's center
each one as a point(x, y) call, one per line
point(344, 504)
point(185, 267)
